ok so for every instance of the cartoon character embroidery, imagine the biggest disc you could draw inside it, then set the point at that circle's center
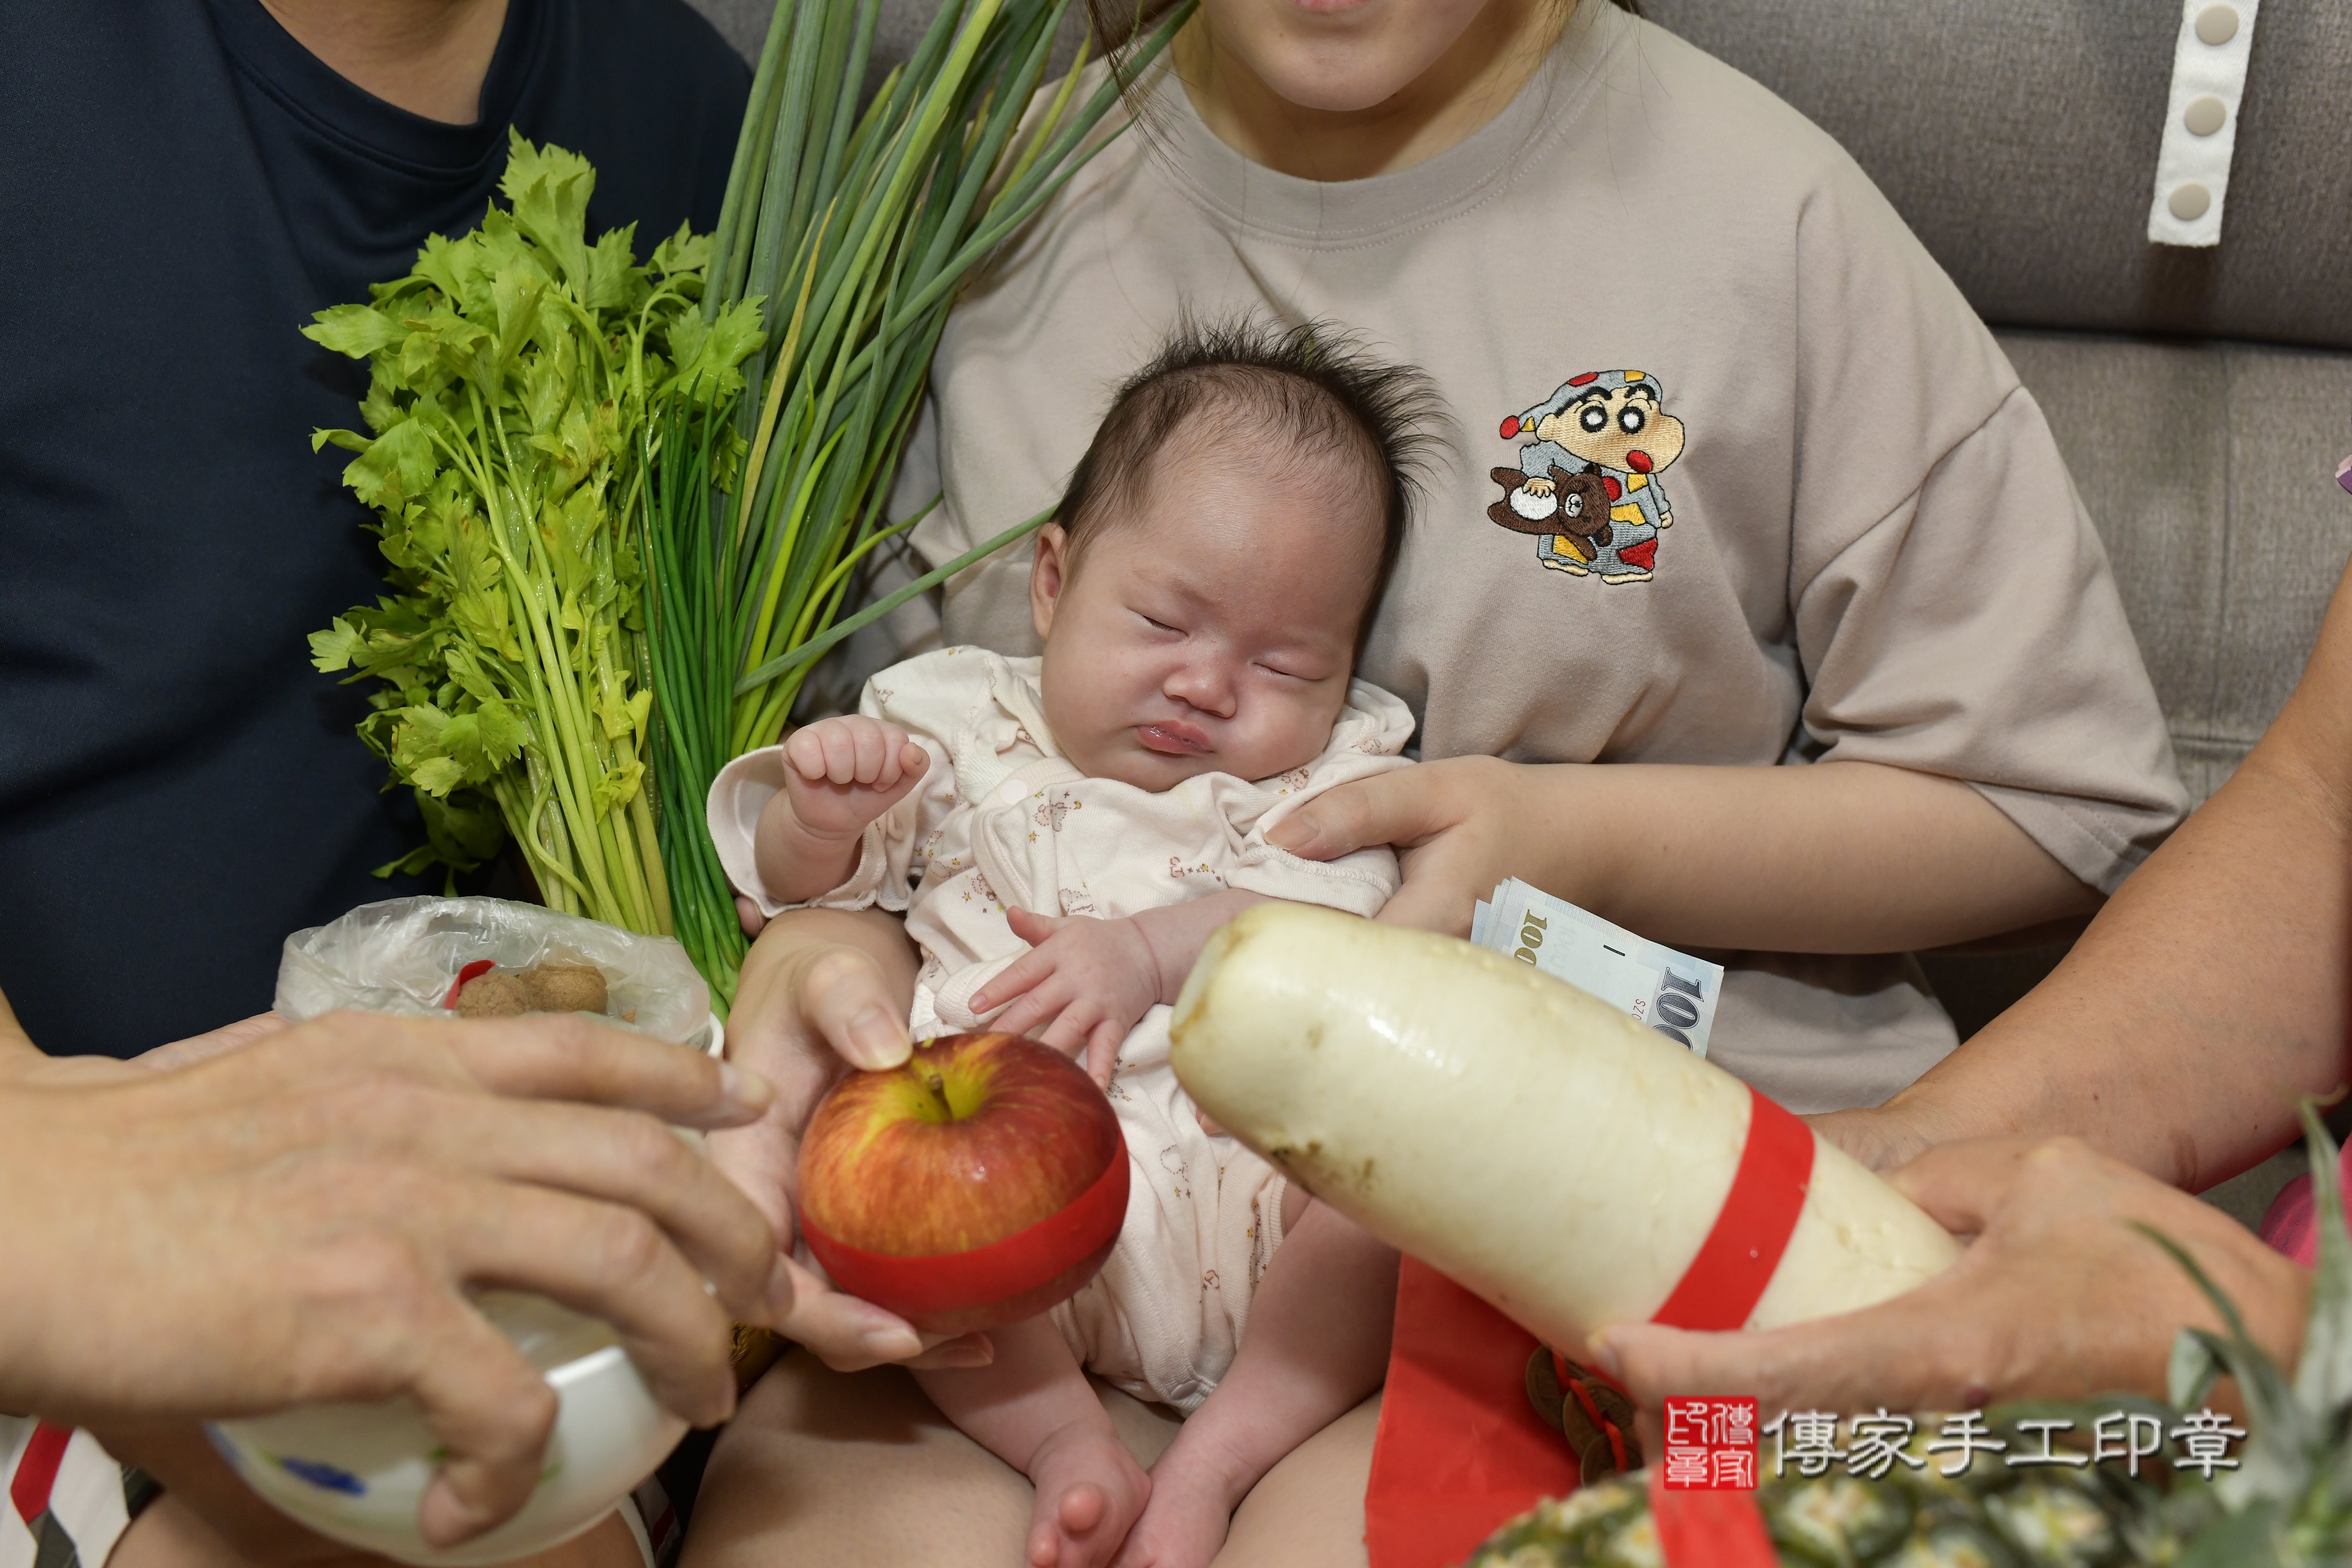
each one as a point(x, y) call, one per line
point(1574, 507)
point(1586, 484)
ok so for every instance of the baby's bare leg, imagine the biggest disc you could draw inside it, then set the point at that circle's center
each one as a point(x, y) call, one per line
point(1032, 1409)
point(1317, 1344)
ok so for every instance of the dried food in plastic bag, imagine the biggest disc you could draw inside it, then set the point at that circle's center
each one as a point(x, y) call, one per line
point(406, 955)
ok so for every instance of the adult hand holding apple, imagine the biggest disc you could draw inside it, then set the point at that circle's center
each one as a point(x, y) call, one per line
point(824, 991)
point(973, 1185)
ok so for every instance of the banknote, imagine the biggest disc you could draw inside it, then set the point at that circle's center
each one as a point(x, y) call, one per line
point(1672, 992)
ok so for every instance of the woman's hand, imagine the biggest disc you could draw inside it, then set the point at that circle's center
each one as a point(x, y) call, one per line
point(300, 1218)
point(823, 991)
point(1833, 857)
point(1454, 822)
point(2057, 1296)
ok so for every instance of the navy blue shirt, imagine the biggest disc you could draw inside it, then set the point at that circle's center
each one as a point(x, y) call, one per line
point(181, 184)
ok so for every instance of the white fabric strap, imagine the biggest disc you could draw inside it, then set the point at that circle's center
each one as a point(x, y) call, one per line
point(2200, 122)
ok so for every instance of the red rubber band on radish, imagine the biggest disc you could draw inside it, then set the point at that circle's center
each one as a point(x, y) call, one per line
point(1736, 1261)
point(949, 1282)
point(473, 971)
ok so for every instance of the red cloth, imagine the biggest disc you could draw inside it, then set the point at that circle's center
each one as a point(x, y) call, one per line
point(2292, 1226)
point(1460, 1449)
point(1707, 1529)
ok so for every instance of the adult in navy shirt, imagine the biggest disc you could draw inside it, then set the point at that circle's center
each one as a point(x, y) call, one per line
point(184, 182)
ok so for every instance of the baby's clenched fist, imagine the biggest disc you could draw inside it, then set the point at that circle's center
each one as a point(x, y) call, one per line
point(842, 774)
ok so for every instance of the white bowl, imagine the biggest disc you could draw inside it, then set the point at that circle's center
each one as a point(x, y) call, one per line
point(356, 1472)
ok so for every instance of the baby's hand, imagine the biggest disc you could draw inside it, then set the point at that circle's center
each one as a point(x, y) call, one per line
point(842, 774)
point(1087, 981)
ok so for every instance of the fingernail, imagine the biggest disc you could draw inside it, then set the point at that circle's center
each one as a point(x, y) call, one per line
point(744, 1090)
point(1289, 834)
point(975, 1350)
point(781, 1294)
point(877, 1040)
point(1603, 1352)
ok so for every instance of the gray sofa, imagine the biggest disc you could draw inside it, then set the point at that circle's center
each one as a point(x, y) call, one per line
point(2202, 397)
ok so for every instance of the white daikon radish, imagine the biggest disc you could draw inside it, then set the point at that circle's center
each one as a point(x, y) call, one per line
point(1529, 1141)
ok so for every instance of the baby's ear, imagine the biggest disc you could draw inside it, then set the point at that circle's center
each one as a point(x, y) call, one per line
point(1049, 573)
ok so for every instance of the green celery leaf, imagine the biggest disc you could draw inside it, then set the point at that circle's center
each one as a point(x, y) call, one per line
point(605, 286)
point(548, 189)
point(397, 464)
point(619, 787)
point(354, 331)
point(335, 647)
point(436, 775)
point(685, 251)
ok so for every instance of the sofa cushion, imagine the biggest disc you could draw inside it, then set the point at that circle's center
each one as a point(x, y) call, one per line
point(2209, 469)
point(2018, 137)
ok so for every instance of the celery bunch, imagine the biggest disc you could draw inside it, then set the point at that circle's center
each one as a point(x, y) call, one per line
point(511, 374)
point(857, 225)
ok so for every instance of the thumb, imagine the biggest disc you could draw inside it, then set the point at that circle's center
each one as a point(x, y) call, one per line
point(1031, 928)
point(1388, 808)
point(1848, 1362)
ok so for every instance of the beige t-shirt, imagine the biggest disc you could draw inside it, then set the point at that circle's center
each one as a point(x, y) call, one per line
point(1836, 525)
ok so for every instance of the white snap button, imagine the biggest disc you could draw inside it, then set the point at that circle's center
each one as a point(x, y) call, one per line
point(2188, 202)
point(2204, 115)
point(2217, 24)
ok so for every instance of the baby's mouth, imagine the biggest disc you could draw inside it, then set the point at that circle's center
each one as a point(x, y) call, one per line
point(1173, 738)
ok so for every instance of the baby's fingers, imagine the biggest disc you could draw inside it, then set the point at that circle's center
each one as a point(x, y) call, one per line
point(1067, 1033)
point(804, 751)
point(1102, 1051)
point(871, 752)
point(839, 741)
point(1021, 975)
point(1028, 1011)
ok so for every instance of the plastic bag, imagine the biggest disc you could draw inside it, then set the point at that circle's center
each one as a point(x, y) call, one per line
point(405, 955)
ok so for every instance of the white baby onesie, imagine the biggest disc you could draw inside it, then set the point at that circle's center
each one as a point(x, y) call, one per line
point(1002, 820)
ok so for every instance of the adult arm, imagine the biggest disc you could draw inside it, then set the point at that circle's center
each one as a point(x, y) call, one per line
point(2207, 996)
point(1839, 857)
point(823, 991)
point(314, 1206)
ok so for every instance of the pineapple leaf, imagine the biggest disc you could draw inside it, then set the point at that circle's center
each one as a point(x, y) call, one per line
point(2247, 1538)
point(2196, 1272)
point(2322, 1379)
point(2278, 1457)
point(2190, 1375)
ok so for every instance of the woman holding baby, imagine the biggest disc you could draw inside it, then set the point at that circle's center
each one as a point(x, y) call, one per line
point(1727, 476)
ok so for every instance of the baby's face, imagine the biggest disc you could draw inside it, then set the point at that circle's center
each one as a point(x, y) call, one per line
point(1213, 630)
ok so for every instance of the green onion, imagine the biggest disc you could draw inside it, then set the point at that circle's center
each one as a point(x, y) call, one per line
point(854, 228)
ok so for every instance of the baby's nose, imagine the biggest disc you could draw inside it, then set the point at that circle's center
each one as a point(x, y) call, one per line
point(1205, 684)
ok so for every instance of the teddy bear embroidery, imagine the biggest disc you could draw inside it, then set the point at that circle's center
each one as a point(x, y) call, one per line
point(1587, 484)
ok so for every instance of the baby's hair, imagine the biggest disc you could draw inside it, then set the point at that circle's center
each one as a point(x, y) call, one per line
point(1311, 388)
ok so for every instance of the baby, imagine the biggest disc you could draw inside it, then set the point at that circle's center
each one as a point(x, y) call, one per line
point(1065, 833)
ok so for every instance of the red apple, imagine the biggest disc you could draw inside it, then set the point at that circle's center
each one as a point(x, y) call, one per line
point(976, 1186)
